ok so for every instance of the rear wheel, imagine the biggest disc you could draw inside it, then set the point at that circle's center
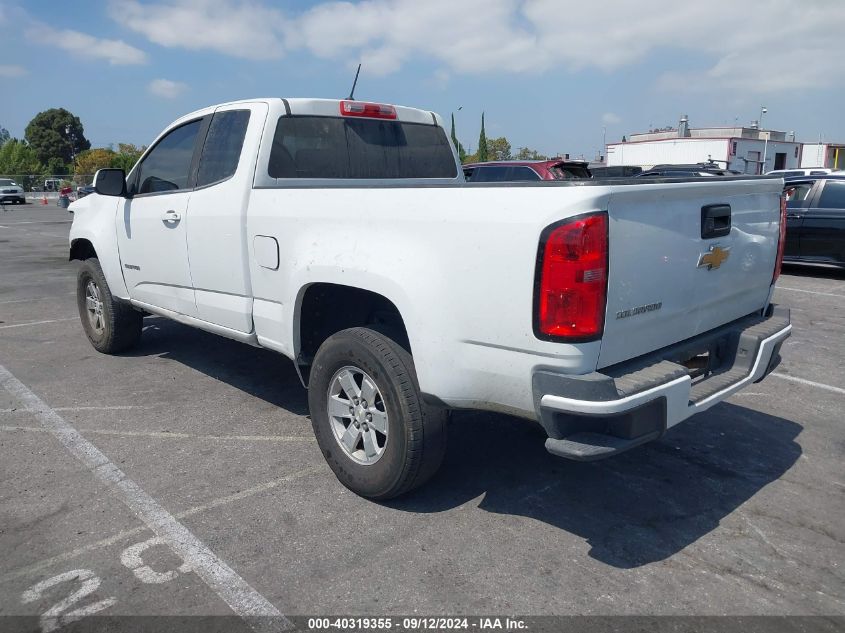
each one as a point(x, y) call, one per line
point(110, 325)
point(378, 436)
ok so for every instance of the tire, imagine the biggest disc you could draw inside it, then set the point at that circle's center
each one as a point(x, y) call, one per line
point(413, 447)
point(111, 326)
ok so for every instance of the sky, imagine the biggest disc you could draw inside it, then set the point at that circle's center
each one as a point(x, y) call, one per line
point(557, 76)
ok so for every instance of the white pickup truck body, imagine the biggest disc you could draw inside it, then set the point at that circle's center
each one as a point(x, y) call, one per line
point(283, 262)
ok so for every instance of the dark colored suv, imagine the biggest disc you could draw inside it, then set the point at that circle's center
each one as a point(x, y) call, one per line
point(815, 219)
point(615, 171)
point(697, 170)
point(516, 170)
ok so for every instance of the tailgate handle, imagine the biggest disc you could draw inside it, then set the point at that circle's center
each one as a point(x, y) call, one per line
point(715, 220)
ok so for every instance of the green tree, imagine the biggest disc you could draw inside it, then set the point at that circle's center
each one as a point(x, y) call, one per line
point(525, 153)
point(482, 143)
point(498, 149)
point(56, 134)
point(4, 136)
point(19, 159)
point(126, 156)
point(92, 160)
point(57, 167)
point(462, 155)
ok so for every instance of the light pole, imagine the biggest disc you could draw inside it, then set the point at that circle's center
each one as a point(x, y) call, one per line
point(603, 151)
point(457, 141)
point(763, 111)
point(72, 140)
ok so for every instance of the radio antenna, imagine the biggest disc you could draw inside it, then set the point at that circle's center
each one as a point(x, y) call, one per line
point(351, 96)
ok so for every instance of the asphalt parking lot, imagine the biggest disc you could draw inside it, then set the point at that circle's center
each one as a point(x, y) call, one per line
point(739, 511)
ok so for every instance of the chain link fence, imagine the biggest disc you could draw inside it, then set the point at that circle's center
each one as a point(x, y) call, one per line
point(40, 187)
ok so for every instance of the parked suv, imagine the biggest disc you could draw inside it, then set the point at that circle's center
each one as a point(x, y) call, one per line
point(815, 219)
point(515, 170)
point(10, 191)
point(812, 171)
point(696, 170)
point(614, 171)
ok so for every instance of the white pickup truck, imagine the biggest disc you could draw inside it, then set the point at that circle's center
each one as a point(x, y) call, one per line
point(342, 235)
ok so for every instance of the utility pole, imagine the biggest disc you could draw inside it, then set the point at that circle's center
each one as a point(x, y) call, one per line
point(603, 151)
point(763, 111)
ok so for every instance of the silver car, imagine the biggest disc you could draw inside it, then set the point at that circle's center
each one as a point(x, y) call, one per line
point(10, 191)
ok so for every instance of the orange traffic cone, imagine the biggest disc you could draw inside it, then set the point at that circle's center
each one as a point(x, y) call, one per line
point(44, 199)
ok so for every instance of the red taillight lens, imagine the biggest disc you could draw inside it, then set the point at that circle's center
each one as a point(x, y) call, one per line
point(572, 285)
point(369, 110)
point(781, 239)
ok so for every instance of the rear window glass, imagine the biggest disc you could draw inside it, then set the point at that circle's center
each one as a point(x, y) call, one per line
point(616, 171)
point(568, 172)
point(335, 147)
point(501, 173)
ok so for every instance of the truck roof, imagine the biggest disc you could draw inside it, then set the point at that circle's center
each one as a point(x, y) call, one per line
point(305, 106)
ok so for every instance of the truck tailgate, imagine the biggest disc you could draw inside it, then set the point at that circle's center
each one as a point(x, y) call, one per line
point(666, 282)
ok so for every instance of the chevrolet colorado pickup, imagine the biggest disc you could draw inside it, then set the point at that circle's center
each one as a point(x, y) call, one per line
point(342, 234)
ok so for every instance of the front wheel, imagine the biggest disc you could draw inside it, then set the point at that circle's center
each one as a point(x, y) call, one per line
point(372, 426)
point(111, 326)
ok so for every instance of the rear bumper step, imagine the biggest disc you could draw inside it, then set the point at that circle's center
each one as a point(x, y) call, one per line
point(602, 414)
point(586, 446)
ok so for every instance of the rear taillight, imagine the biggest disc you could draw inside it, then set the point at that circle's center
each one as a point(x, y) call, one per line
point(571, 285)
point(781, 239)
point(369, 110)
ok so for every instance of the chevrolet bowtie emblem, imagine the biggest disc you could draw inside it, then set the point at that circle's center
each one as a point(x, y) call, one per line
point(714, 258)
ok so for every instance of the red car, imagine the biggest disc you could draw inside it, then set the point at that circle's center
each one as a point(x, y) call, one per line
point(513, 170)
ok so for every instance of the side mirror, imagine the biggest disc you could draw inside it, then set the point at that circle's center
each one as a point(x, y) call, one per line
point(110, 182)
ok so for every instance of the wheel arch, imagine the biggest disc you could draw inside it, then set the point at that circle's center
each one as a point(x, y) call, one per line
point(81, 249)
point(325, 308)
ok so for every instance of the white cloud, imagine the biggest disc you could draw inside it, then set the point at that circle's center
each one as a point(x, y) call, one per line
point(609, 118)
point(753, 48)
point(7, 70)
point(439, 80)
point(239, 28)
point(166, 89)
point(115, 52)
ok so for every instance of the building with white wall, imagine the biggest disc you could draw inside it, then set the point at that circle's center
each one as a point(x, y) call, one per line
point(749, 150)
point(830, 155)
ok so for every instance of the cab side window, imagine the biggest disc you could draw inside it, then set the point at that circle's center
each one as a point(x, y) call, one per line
point(223, 145)
point(797, 194)
point(168, 165)
point(833, 195)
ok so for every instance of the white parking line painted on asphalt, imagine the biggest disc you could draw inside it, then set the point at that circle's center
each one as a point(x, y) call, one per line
point(6, 327)
point(8, 301)
point(810, 292)
point(125, 534)
point(165, 434)
point(245, 601)
point(811, 383)
point(39, 222)
point(124, 407)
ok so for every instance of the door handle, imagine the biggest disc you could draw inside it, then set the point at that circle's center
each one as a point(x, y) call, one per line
point(171, 216)
point(793, 215)
point(715, 221)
